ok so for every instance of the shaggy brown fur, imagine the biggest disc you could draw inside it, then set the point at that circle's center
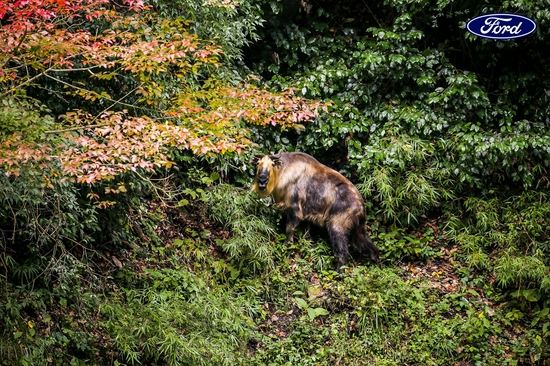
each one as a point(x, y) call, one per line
point(307, 190)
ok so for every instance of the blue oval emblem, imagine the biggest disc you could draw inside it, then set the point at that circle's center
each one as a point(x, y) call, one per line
point(501, 26)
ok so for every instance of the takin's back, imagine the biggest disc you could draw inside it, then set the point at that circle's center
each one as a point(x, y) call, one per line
point(316, 190)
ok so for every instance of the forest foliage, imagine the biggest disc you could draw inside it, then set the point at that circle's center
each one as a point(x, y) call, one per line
point(129, 235)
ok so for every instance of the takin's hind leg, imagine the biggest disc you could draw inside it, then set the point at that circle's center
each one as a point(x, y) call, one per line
point(365, 246)
point(339, 239)
point(363, 243)
point(307, 233)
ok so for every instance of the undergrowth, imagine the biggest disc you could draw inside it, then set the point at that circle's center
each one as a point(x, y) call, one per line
point(227, 291)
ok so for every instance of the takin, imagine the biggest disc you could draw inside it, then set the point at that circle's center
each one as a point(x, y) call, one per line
point(307, 190)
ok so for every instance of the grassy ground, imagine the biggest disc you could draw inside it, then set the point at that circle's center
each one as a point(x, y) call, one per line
point(213, 284)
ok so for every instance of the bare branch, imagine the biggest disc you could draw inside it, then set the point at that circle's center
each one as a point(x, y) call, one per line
point(85, 90)
point(26, 83)
point(76, 128)
point(115, 103)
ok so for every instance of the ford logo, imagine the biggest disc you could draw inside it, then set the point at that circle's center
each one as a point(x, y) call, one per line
point(501, 26)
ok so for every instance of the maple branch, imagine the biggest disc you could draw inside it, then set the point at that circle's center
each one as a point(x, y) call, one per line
point(78, 69)
point(24, 83)
point(64, 82)
point(86, 90)
point(115, 103)
point(76, 128)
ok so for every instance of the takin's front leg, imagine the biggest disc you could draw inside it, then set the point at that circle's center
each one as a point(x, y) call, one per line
point(292, 222)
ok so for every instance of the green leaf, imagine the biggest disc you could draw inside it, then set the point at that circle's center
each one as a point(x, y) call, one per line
point(313, 313)
point(301, 302)
point(321, 311)
point(182, 203)
point(235, 273)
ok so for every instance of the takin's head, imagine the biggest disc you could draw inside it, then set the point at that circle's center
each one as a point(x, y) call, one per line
point(266, 174)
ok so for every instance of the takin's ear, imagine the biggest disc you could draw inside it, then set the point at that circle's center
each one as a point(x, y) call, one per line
point(256, 158)
point(276, 160)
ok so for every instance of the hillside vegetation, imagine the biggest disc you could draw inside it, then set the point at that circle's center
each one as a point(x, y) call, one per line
point(130, 236)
